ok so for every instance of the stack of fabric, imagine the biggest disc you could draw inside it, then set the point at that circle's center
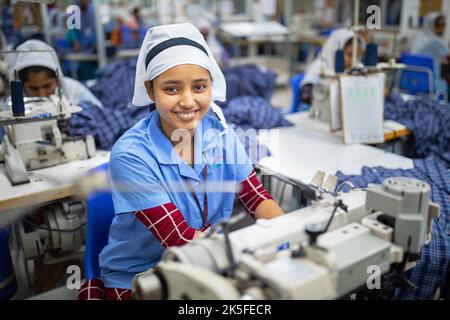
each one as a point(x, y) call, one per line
point(429, 121)
point(434, 262)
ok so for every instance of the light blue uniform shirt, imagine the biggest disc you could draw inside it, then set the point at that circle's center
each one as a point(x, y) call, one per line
point(145, 172)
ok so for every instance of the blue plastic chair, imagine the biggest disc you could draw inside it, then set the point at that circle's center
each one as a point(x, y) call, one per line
point(100, 212)
point(295, 87)
point(418, 77)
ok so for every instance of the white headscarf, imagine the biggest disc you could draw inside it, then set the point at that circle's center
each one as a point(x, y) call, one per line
point(36, 53)
point(188, 51)
point(326, 59)
point(427, 42)
point(427, 30)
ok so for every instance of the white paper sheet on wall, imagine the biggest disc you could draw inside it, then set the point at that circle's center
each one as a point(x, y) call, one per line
point(362, 108)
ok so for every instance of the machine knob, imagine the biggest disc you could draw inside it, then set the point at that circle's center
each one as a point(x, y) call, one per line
point(313, 230)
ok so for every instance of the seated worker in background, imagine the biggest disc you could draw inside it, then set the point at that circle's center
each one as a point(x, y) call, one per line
point(325, 62)
point(165, 191)
point(430, 42)
point(38, 68)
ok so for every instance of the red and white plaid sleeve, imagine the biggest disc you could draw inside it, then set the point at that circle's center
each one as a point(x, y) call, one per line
point(253, 193)
point(93, 289)
point(167, 224)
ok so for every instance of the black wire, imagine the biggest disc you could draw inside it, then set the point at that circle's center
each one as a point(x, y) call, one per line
point(331, 218)
point(337, 204)
point(27, 221)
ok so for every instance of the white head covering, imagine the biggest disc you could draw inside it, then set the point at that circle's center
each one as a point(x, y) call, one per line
point(326, 59)
point(36, 53)
point(172, 45)
point(426, 38)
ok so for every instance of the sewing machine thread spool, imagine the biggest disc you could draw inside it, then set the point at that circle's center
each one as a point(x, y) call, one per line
point(18, 106)
point(339, 66)
point(371, 56)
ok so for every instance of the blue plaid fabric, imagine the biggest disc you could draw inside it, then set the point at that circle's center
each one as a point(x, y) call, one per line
point(105, 124)
point(249, 80)
point(428, 119)
point(249, 112)
point(115, 83)
point(434, 263)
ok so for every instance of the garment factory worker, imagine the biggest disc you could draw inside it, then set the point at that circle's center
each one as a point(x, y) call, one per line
point(38, 68)
point(165, 191)
point(325, 61)
point(430, 42)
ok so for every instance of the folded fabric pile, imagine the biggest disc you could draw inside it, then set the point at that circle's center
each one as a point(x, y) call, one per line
point(434, 263)
point(428, 119)
point(115, 83)
point(105, 124)
point(249, 80)
point(254, 112)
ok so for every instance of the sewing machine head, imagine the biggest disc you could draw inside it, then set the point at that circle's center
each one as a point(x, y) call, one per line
point(34, 136)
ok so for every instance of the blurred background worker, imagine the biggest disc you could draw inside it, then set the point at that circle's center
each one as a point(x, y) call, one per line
point(429, 41)
point(38, 68)
point(324, 64)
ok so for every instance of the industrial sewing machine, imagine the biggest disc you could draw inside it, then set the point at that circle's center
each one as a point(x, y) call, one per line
point(328, 250)
point(36, 139)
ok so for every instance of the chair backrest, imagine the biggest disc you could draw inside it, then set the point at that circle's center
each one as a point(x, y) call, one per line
point(418, 77)
point(417, 60)
point(100, 212)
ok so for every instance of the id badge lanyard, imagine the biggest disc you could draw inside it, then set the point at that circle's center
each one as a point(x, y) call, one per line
point(204, 212)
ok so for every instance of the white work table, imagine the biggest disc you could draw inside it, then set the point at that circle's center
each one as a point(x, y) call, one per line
point(49, 184)
point(300, 151)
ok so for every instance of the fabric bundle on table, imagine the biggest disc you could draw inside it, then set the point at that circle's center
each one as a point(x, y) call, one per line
point(428, 119)
point(249, 80)
point(105, 124)
point(115, 83)
point(434, 262)
point(254, 112)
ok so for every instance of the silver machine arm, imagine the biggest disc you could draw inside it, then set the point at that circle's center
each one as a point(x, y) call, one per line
point(328, 250)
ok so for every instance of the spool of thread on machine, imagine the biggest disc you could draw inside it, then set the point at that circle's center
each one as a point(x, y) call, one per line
point(339, 66)
point(18, 106)
point(371, 57)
